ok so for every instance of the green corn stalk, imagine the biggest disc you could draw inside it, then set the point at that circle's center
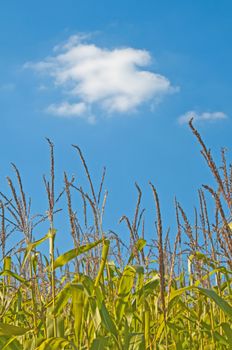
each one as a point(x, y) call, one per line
point(51, 235)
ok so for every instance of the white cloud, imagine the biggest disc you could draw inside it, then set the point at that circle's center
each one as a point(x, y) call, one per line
point(67, 109)
point(94, 77)
point(71, 110)
point(204, 117)
point(72, 41)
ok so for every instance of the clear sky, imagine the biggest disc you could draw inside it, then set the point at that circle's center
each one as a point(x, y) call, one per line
point(120, 79)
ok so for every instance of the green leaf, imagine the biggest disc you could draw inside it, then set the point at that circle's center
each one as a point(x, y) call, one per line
point(125, 285)
point(78, 310)
point(107, 319)
point(137, 342)
point(10, 330)
point(71, 254)
point(100, 343)
point(61, 300)
point(11, 343)
point(60, 326)
point(15, 275)
point(105, 250)
point(224, 306)
point(139, 245)
point(228, 331)
point(150, 286)
point(147, 324)
point(33, 245)
point(54, 344)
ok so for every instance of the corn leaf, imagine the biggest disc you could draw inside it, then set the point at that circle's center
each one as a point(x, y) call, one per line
point(125, 285)
point(10, 330)
point(54, 344)
point(71, 254)
point(224, 306)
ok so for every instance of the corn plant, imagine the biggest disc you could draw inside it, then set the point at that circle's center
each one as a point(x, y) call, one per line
point(160, 293)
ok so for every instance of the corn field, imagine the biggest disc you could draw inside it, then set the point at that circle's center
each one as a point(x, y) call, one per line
point(162, 293)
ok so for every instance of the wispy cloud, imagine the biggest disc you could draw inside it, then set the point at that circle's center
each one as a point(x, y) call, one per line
point(94, 78)
point(71, 110)
point(67, 109)
point(203, 117)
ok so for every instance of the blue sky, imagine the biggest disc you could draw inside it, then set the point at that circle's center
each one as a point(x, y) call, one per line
point(149, 63)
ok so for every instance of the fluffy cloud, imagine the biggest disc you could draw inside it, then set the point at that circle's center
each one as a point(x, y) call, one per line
point(206, 116)
point(97, 78)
